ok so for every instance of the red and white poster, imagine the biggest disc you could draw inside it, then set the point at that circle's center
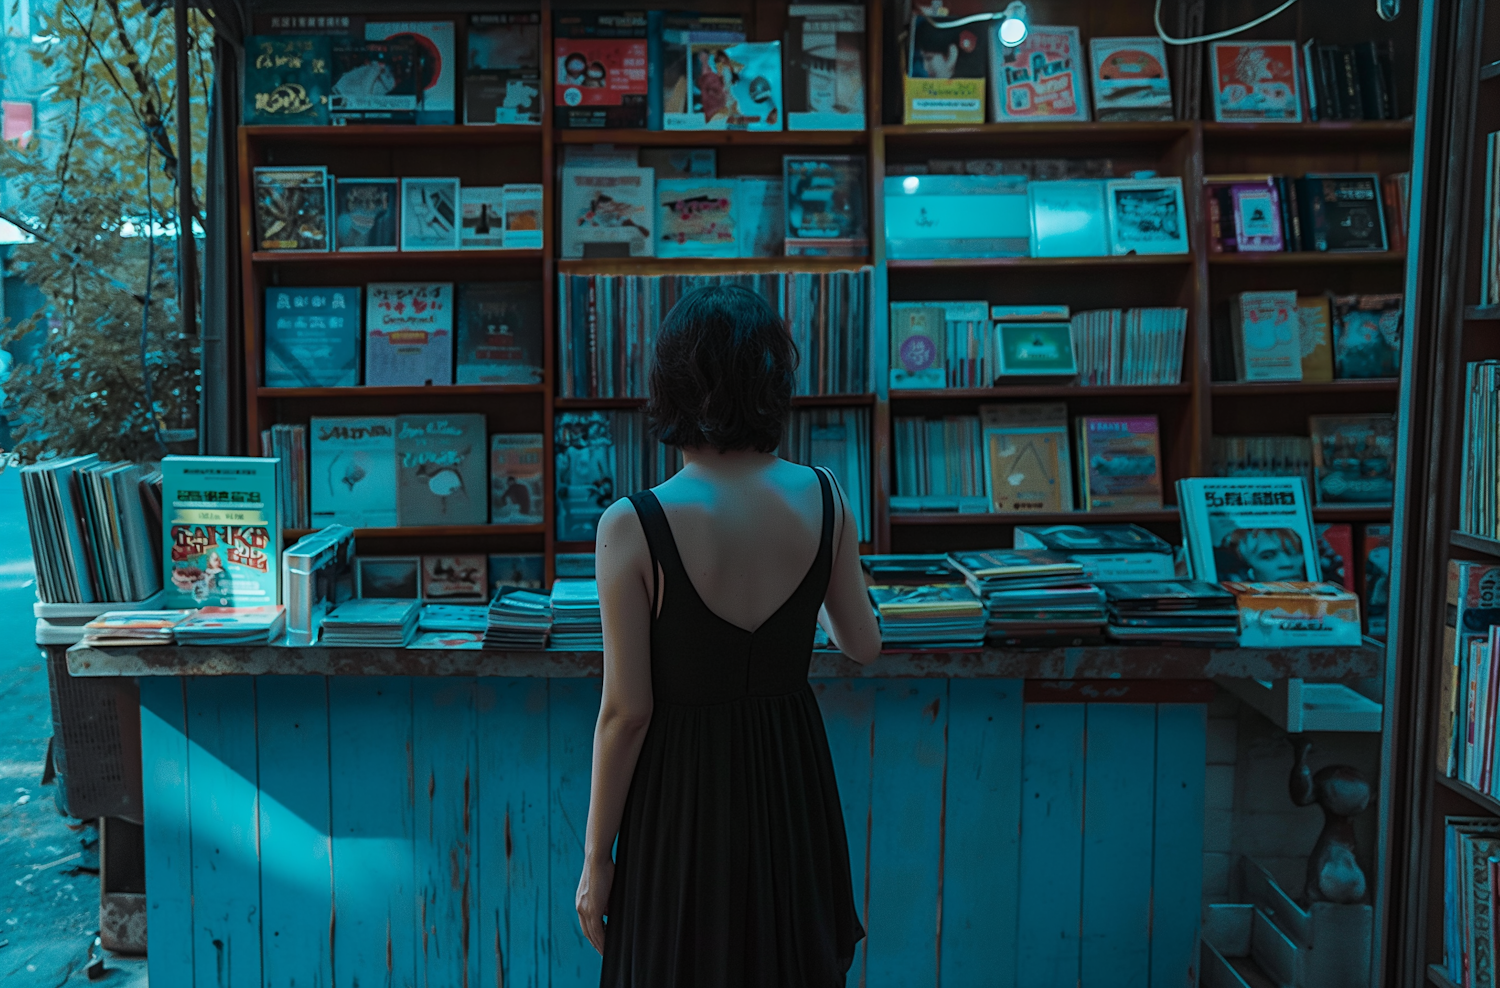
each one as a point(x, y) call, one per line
point(1256, 81)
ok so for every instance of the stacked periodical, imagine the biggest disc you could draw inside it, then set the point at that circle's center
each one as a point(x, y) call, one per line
point(372, 622)
point(233, 626)
point(94, 529)
point(1188, 612)
point(1032, 596)
point(575, 616)
point(127, 628)
point(1136, 346)
point(941, 616)
point(520, 619)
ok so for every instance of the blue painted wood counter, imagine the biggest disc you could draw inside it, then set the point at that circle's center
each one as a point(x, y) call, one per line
point(426, 830)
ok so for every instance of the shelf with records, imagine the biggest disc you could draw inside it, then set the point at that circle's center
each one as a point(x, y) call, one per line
point(392, 135)
point(715, 138)
point(403, 258)
point(1476, 543)
point(1339, 386)
point(1168, 514)
point(1068, 391)
point(1106, 261)
point(798, 401)
point(1110, 134)
point(1298, 258)
point(656, 266)
point(416, 391)
point(1256, 136)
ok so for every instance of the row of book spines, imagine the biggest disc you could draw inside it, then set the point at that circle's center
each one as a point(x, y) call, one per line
point(1300, 221)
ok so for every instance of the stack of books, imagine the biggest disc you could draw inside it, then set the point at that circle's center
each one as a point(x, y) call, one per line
point(912, 570)
point(1107, 552)
point(372, 622)
point(575, 615)
point(1471, 846)
point(288, 443)
point(942, 616)
point(1138, 346)
point(520, 619)
point(127, 628)
point(1477, 513)
point(233, 626)
point(1186, 612)
point(453, 618)
point(1031, 594)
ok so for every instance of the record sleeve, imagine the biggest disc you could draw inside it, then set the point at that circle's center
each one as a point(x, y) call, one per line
point(918, 338)
point(436, 63)
point(409, 334)
point(430, 214)
point(1120, 462)
point(762, 207)
point(1255, 81)
point(503, 96)
point(220, 530)
point(516, 479)
point(499, 332)
point(737, 87)
point(523, 217)
point(1250, 529)
point(287, 80)
point(1041, 78)
point(824, 79)
point(504, 41)
point(291, 208)
point(600, 70)
point(607, 206)
point(584, 448)
point(671, 69)
point(353, 472)
point(1354, 458)
point(1146, 216)
point(375, 81)
point(1026, 448)
point(825, 206)
point(451, 579)
point(442, 477)
point(312, 337)
point(1068, 218)
point(366, 214)
point(483, 217)
point(1130, 79)
point(696, 218)
point(1367, 336)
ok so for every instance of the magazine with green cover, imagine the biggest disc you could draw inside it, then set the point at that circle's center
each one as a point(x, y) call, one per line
point(221, 537)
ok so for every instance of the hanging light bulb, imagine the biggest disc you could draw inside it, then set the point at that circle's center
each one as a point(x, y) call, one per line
point(1013, 28)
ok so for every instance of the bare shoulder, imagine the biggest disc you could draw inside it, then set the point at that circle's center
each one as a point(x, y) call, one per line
point(620, 528)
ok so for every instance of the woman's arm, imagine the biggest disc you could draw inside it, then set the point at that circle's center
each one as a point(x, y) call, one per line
point(624, 569)
point(846, 613)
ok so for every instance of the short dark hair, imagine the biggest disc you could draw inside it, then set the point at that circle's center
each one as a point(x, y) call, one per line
point(723, 372)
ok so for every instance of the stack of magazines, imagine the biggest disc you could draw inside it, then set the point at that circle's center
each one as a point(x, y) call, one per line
point(372, 622)
point(939, 616)
point(519, 619)
point(233, 626)
point(133, 627)
point(1032, 596)
point(575, 616)
point(453, 618)
point(912, 570)
point(1187, 612)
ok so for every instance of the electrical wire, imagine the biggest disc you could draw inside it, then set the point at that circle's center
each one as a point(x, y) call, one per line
point(1217, 35)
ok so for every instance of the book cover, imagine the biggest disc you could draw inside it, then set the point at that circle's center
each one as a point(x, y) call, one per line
point(523, 217)
point(1336, 552)
point(1039, 79)
point(483, 224)
point(1034, 348)
point(1250, 529)
point(946, 216)
point(366, 214)
point(605, 207)
point(942, 100)
point(601, 70)
point(825, 76)
point(499, 332)
point(1375, 579)
point(1344, 212)
point(1255, 81)
point(1278, 615)
point(441, 476)
point(1068, 218)
point(388, 577)
point(695, 218)
point(1120, 462)
point(735, 87)
point(762, 205)
point(1257, 217)
point(221, 536)
point(452, 579)
point(437, 63)
point(1129, 77)
point(504, 41)
point(1367, 335)
point(312, 337)
point(409, 334)
point(825, 206)
point(287, 80)
point(672, 68)
point(584, 447)
point(1146, 216)
point(352, 478)
point(430, 218)
point(516, 479)
point(1473, 605)
point(945, 72)
point(1027, 454)
point(918, 341)
point(1314, 319)
point(522, 571)
point(1354, 458)
point(502, 79)
point(375, 81)
point(291, 208)
point(1267, 336)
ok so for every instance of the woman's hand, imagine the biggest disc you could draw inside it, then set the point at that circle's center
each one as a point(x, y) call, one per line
point(593, 899)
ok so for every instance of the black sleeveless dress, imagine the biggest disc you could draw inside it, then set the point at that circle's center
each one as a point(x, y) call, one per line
point(732, 867)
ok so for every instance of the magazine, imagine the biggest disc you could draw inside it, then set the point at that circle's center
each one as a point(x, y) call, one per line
point(607, 206)
point(291, 208)
point(696, 218)
point(1248, 529)
point(220, 531)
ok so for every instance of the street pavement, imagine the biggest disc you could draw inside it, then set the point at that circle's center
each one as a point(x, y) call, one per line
point(49, 885)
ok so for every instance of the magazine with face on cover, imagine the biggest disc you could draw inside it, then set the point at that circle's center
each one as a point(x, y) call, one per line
point(1248, 529)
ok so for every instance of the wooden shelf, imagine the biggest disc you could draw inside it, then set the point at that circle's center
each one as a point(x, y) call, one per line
point(1359, 512)
point(425, 531)
point(1032, 517)
point(386, 256)
point(1481, 313)
point(798, 401)
point(363, 391)
point(707, 265)
point(1126, 261)
point(1484, 801)
point(1001, 393)
point(1490, 71)
point(1300, 257)
point(1437, 976)
point(398, 135)
point(1038, 134)
point(714, 138)
point(1312, 133)
point(1257, 389)
point(1477, 543)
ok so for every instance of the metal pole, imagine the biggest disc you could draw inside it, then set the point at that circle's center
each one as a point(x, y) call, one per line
point(187, 253)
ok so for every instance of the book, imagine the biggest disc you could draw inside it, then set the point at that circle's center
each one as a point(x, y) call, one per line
point(1257, 217)
point(825, 206)
point(453, 579)
point(516, 478)
point(1068, 218)
point(584, 447)
point(1342, 212)
point(1267, 336)
point(1119, 462)
point(483, 217)
point(735, 87)
point(353, 471)
point(221, 536)
point(601, 70)
point(1367, 335)
point(1146, 216)
point(942, 100)
point(1489, 265)
point(287, 80)
point(695, 218)
point(367, 215)
point(312, 337)
point(1473, 605)
point(824, 67)
point(607, 212)
point(1029, 464)
point(939, 465)
point(1295, 613)
point(92, 536)
point(502, 78)
point(1106, 552)
point(430, 214)
point(1129, 79)
point(388, 577)
point(1255, 81)
point(1137, 346)
point(523, 217)
point(944, 216)
point(133, 628)
point(372, 623)
point(439, 69)
point(762, 203)
point(1248, 529)
point(409, 334)
point(1375, 581)
point(960, 52)
point(699, 163)
point(1336, 552)
point(1314, 320)
point(673, 68)
point(1354, 458)
point(504, 41)
point(918, 334)
point(520, 571)
point(499, 333)
point(291, 208)
point(1040, 79)
point(255, 625)
point(376, 81)
point(441, 476)
point(1034, 348)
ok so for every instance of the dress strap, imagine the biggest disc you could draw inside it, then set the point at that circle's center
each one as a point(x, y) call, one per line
point(825, 543)
point(659, 541)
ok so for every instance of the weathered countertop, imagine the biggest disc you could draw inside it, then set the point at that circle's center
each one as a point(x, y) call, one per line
point(1094, 662)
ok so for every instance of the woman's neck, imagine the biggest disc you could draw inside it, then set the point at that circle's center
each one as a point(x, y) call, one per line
point(729, 462)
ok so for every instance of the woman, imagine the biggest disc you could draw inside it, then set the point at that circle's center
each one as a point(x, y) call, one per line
point(711, 765)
